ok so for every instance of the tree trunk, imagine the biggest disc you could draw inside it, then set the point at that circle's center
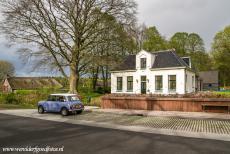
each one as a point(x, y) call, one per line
point(106, 77)
point(73, 79)
point(95, 77)
point(103, 77)
point(77, 81)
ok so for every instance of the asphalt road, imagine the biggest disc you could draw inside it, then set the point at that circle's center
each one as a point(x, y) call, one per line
point(23, 132)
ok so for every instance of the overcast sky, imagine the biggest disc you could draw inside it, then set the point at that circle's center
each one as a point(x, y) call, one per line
point(205, 17)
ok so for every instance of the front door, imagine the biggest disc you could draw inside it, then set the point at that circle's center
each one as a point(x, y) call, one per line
point(143, 84)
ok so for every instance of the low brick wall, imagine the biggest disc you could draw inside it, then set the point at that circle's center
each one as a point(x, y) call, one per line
point(164, 104)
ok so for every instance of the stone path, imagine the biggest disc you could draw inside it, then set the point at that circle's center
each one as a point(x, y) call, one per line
point(198, 115)
point(182, 124)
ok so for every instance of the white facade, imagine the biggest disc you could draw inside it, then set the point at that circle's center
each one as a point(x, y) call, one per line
point(185, 79)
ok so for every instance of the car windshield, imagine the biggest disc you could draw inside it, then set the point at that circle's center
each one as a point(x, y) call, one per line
point(72, 98)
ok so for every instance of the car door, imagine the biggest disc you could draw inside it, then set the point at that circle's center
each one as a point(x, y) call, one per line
point(56, 106)
point(50, 103)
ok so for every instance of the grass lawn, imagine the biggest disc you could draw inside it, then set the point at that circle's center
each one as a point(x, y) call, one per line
point(94, 98)
point(14, 106)
point(224, 93)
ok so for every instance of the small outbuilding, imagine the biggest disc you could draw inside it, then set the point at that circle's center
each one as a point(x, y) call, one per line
point(209, 81)
point(10, 84)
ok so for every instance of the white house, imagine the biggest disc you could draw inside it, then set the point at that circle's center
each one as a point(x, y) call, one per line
point(162, 72)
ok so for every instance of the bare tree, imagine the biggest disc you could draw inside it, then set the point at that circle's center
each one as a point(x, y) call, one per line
point(65, 31)
point(136, 32)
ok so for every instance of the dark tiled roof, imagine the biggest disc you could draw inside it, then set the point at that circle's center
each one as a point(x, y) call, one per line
point(164, 59)
point(128, 64)
point(33, 82)
point(209, 76)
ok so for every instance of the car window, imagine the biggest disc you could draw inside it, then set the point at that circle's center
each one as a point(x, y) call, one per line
point(73, 98)
point(61, 98)
point(52, 98)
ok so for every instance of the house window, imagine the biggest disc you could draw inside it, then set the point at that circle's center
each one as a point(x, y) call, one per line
point(129, 83)
point(172, 82)
point(158, 82)
point(119, 83)
point(143, 63)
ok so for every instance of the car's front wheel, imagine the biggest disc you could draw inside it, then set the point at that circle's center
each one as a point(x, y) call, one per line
point(64, 112)
point(79, 112)
point(40, 110)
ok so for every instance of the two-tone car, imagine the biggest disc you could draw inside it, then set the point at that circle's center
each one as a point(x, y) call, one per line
point(62, 103)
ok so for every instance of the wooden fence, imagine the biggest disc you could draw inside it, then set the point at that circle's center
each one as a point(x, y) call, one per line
point(166, 104)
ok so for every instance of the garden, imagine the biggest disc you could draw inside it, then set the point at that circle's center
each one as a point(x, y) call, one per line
point(201, 94)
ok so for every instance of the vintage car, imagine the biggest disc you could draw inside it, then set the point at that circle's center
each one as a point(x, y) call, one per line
point(63, 103)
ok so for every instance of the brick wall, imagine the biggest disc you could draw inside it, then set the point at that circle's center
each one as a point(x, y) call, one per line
point(163, 104)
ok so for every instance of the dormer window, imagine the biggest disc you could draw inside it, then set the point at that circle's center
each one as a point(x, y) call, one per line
point(143, 63)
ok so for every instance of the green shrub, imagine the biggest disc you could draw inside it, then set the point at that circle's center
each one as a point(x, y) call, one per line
point(11, 99)
point(88, 97)
point(100, 90)
point(225, 94)
point(2, 99)
point(24, 92)
point(95, 102)
point(25, 97)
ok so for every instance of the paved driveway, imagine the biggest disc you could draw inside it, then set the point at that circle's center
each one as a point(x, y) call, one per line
point(21, 132)
point(174, 123)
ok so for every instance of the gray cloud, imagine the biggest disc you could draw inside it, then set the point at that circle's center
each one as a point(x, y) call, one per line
point(9, 53)
point(205, 17)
